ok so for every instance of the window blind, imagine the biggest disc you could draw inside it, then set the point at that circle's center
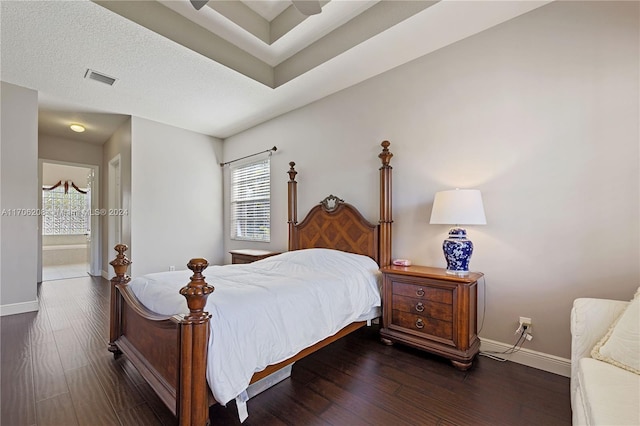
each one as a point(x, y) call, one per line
point(251, 201)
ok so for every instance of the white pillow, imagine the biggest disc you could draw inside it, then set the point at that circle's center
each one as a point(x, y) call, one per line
point(621, 345)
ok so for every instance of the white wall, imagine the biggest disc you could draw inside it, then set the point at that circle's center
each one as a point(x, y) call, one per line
point(67, 150)
point(176, 208)
point(539, 113)
point(18, 190)
point(53, 173)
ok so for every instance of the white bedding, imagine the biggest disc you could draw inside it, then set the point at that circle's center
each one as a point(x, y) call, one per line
point(269, 310)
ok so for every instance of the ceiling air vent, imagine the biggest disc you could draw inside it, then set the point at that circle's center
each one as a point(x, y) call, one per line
point(94, 75)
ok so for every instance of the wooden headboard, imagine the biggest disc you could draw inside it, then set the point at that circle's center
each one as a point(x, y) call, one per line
point(338, 225)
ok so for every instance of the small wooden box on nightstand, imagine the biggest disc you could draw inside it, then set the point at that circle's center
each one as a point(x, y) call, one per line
point(249, 255)
point(429, 309)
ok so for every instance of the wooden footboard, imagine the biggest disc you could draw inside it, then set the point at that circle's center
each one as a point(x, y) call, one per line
point(170, 352)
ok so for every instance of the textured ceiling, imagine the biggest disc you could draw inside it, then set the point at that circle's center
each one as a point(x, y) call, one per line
point(174, 66)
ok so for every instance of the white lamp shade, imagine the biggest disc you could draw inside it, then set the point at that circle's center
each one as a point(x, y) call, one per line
point(458, 207)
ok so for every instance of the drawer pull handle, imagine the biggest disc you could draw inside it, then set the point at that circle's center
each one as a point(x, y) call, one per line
point(419, 323)
point(419, 307)
point(420, 292)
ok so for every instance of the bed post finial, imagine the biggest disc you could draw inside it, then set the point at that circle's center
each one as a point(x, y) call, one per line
point(386, 218)
point(120, 265)
point(197, 291)
point(385, 155)
point(292, 171)
point(192, 397)
point(292, 191)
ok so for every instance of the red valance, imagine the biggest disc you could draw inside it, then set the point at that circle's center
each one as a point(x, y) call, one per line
point(66, 187)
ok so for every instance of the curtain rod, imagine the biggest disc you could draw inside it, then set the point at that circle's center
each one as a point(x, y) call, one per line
point(271, 150)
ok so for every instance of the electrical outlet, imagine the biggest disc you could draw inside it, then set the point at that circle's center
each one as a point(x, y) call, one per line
point(525, 322)
point(524, 328)
point(172, 268)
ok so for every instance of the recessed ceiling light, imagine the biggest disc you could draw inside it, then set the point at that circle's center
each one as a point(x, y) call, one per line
point(77, 128)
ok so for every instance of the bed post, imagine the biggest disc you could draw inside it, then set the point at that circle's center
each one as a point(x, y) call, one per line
point(120, 265)
point(292, 187)
point(385, 205)
point(193, 398)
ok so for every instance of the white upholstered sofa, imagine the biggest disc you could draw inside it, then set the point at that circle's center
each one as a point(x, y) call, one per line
point(604, 391)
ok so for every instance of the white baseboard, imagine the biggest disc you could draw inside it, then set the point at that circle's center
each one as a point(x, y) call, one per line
point(19, 308)
point(105, 275)
point(539, 360)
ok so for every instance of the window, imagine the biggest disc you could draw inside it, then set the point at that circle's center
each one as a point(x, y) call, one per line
point(250, 201)
point(65, 214)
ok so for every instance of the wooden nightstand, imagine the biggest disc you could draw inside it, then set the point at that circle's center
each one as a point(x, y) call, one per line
point(429, 309)
point(249, 255)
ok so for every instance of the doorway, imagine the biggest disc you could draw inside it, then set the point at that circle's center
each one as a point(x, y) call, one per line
point(70, 237)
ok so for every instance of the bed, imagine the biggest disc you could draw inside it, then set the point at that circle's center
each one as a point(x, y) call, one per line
point(171, 350)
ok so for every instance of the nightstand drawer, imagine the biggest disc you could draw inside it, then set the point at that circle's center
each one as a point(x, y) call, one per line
point(241, 259)
point(249, 256)
point(425, 308)
point(422, 324)
point(422, 291)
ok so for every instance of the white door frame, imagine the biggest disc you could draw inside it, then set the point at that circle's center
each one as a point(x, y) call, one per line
point(95, 246)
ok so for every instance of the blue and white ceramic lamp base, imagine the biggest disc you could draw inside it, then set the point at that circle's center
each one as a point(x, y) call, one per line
point(457, 252)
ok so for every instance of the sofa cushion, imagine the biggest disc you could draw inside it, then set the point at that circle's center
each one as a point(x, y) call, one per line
point(610, 394)
point(621, 345)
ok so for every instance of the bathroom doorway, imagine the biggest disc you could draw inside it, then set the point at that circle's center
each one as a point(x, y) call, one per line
point(69, 220)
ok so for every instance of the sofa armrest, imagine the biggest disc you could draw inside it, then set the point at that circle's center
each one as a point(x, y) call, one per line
point(590, 321)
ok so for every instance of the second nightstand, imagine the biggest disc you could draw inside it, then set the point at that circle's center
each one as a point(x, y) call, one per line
point(429, 309)
point(249, 255)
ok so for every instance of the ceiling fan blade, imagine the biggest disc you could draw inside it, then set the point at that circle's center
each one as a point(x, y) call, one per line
point(307, 7)
point(199, 4)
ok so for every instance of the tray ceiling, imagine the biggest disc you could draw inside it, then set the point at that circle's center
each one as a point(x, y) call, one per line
point(271, 51)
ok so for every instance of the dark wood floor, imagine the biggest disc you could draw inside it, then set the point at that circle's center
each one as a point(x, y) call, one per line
point(56, 371)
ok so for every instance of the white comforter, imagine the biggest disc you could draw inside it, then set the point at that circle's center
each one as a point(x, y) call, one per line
point(267, 311)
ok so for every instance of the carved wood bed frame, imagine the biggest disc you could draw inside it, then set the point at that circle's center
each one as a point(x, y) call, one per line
point(170, 352)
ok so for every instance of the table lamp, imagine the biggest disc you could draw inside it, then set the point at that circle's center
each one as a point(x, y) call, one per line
point(458, 207)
